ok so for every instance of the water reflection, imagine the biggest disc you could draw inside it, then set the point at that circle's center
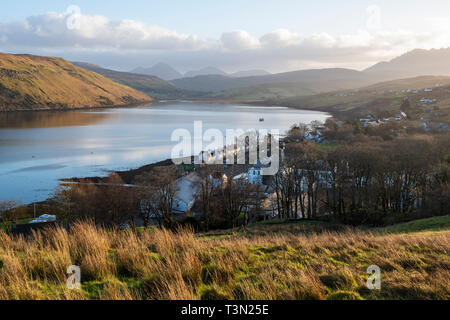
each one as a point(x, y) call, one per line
point(38, 148)
point(50, 119)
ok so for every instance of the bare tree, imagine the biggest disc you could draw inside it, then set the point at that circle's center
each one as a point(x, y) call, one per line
point(207, 191)
point(7, 210)
point(110, 202)
point(235, 197)
point(297, 132)
point(157, 198)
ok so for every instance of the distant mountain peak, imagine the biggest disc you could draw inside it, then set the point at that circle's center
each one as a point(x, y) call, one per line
point(417, 62)
point(205, 72)
point(162, 65)
point(249, 73)
point(161, 70)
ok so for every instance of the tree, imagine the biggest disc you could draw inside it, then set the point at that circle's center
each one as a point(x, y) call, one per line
point(236, 197)
point(406, 105)
point(7, 210)
point(297, 132)
point(110, 203)
point(207, 191)
point(158, 193)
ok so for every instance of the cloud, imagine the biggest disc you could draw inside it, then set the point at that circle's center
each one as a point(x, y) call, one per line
point(53, 30)
point(280, 38)
point(125, 44)
point(238, 40)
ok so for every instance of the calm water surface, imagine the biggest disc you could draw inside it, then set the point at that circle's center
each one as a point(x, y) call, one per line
point(39, 148)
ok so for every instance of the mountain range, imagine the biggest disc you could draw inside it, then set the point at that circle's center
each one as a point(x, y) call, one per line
point(258, 84)
point(151, 85)
point(419, 62)
point(160, 70)
point(29, 82)
point(412, 64)
point(33, 82)
point(326, 79)
point(168, 73)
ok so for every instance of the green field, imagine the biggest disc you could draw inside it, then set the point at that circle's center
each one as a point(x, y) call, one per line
point(429, 224)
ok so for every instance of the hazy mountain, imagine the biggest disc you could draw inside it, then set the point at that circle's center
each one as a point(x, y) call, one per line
point(416, 83)
point(30, 82)
point(249, 73)
point(215, 71)
point(160, 70)
point(412, 64)
point(382, 99)
point(153, 86)
point(325, 78)
point(267, 91)
point(418, 62)
point(204, 72)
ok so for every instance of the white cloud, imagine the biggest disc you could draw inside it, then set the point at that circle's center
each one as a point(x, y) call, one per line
point(238, 40)
point(100, 40)
point(51, 30)
point(280, 37)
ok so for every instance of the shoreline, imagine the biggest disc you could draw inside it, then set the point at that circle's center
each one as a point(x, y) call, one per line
point(127, 174)
point(263, 103)
point(141, 103)
point(266, 103)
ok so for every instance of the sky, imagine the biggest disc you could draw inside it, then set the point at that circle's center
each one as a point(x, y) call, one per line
point(233, 35)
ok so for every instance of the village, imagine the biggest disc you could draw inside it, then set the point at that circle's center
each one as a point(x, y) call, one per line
point(181, 196)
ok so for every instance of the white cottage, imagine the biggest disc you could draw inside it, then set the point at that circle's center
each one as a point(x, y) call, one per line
point(255, 175)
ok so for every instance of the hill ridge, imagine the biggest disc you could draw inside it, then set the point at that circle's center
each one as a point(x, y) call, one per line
point(31, 82)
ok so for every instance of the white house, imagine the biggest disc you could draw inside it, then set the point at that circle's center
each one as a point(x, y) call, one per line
point(255, 175)
point(44, 218)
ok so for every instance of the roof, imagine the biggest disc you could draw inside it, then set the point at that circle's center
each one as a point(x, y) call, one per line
point(44, 218)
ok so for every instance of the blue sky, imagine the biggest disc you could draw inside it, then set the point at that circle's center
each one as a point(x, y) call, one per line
point(342, 24)
point(192, 16)
point(212, 17)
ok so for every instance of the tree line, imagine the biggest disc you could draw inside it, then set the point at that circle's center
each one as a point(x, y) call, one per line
point(365, 181)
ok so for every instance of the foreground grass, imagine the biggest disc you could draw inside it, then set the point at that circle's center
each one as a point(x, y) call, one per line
point(7, 225)
point(430, 224)
point(281, 261)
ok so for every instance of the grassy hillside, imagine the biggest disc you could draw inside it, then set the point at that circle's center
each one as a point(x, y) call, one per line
point(266, 91)
point(277, 261)
point(430, 224)
point(44, 83)
point(320, 79)
point(410, 83)
point(151, 85)
point(384, 97)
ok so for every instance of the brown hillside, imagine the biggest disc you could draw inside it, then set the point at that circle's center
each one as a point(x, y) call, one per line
point(30, 82)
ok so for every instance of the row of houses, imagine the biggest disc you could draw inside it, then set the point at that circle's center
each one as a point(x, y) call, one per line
point(371, 121)
point(427, 101)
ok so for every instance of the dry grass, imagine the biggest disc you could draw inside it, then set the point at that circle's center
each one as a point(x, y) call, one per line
point(268, 262)
point(42, 83)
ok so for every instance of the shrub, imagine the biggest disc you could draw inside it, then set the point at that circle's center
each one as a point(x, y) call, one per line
point(344, 295)
point(213, 273)
point(338, 281)
point(214, 294)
